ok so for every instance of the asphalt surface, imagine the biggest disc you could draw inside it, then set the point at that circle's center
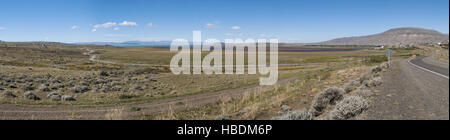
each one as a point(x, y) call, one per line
point(432, 61)
point(409, 92)
point(435, 67)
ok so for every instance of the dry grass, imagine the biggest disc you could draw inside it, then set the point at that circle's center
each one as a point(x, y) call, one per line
point(264, 105)
point(116, 114)
point(315, 71)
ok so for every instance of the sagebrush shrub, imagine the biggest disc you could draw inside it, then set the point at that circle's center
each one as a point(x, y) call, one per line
point(328, 97)
point(350, 86)
point(349, 107)
point(223, 117)
point(295, 115)
point(363, 93)
point(365, 76)
point(376, 69)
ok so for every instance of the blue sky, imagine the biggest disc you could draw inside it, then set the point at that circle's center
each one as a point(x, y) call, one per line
point(287, 20)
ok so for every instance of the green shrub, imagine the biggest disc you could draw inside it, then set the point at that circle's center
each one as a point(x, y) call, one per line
point(376, 59)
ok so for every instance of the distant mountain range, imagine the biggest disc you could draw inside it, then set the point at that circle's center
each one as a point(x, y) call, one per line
point(132, 43)
point(393, 37)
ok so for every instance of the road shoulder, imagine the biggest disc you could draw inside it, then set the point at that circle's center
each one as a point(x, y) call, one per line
point(409, 93)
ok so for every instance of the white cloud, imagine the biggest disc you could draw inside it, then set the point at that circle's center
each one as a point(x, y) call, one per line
point(105, 25)
point(74, 27)
point(235, 28)
point(228, 34)
point(210, 25)
point(113, 24)
point(150, 24)
point(2, 28)
point(127, 23)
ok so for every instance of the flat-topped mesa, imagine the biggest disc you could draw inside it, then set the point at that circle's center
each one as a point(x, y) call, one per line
point(395, 36)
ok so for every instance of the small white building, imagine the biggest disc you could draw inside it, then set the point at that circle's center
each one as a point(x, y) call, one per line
point(379, 47)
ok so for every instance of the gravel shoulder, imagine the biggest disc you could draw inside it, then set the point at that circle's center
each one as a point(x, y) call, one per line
point(410, 93)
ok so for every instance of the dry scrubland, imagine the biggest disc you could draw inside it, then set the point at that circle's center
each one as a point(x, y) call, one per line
point(337, 69)
point(291, 101)
point(54, 74)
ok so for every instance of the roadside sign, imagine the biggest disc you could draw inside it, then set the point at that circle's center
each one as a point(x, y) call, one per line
point(388, 53)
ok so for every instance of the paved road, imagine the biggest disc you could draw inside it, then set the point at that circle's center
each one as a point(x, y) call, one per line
point(411, 93)
point(430, 60)
point(433, 67)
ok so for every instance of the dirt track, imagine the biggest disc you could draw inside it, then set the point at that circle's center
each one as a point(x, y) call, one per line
point(8, 111)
